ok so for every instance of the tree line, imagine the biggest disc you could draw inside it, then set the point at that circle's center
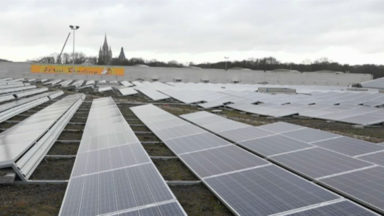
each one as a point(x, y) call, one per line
point(270, 63)
point(265, 64)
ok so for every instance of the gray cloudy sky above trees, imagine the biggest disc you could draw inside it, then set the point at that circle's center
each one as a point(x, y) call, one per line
point(347, 31)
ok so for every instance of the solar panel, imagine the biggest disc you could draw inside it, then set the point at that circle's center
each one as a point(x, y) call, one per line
point(247, 184)
point(111, 191)
point(195, 143)
point(17, 139)
point(112, 173)
point(243, 134)
point(377, 158)
point(220, 160)
point(181, 131)
point(275, 144)
point(316, 162)
point(221, 126)
point(310, 135)
point(366, 119)
point(266, 190)
point(110, 158)
point(213, 122)
point(364, 185)
point(349, 146)
point(152, 93)
point(280, 127)
point(344, 208)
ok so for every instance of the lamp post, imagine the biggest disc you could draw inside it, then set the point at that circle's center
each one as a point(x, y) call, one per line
point(226, 62)
point(73, 28)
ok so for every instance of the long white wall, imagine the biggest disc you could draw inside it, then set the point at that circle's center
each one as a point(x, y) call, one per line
point(18, 70)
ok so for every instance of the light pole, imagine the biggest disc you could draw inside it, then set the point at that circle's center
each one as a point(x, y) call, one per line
point(73, 28)
point(226, 62)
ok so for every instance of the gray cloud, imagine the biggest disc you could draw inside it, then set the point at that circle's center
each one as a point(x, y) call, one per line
point(199, 30)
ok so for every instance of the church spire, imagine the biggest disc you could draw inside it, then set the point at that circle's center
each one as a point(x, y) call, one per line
point(105, 53)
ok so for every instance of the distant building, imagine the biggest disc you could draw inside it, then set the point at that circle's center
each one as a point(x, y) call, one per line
point(105, 53)
point(122, 56)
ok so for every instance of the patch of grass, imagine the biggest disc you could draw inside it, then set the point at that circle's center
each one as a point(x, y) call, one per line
point(54, 169)
point(39, 200)
point(197, 200)
point(173, 169)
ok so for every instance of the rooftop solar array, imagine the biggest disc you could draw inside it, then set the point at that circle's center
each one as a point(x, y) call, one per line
point(113, 174)
point(32, 158)
point(376, 83)
point(13, 108)
point(151, 90)
point(339, 162)
point(336, 104)
point(124, 91)
point(16, 140)
point(246, 183)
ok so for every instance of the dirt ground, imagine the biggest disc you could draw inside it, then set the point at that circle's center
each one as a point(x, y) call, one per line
point(158, 149)
point(54, 169)
point(173, 169)
point(64, 149)
point(34, 200)
point(197, 200)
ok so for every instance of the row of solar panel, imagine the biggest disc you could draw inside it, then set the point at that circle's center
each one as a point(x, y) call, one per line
point(246, 183)
point(126, 89)
point(21, 138)
point(351, 166)
point(112, 173)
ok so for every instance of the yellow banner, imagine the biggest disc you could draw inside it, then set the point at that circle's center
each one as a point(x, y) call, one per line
point(79, 70)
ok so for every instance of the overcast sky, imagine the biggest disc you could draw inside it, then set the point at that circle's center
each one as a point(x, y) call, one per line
point(347, 31)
